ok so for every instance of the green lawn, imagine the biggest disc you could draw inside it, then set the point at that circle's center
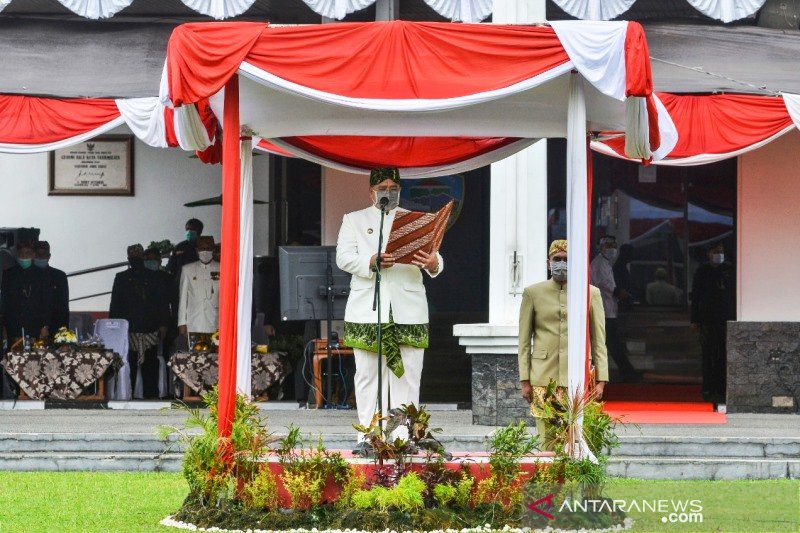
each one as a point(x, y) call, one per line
point(130, 502)
point(763, 506)
point(88, 501)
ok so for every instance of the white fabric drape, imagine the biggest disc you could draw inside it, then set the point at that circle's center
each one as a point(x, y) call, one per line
point(727, 10)
point(577, 246)
point(219, 9)
point(145, 118)
point(462, 10)
point(64, 143)
point(637, 145)
point(724, 10)
point(595, 9)
point(792, 103)
point(415, 172)
point(699, 159)
point(101, 9)
point(337, 9)
point(96, 9)
point(190, 130)
point(395, 105)
point(245, 288)
point(597, 50)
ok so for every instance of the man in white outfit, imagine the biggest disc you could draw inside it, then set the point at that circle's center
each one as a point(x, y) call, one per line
point(198, 304)
point(403, 306)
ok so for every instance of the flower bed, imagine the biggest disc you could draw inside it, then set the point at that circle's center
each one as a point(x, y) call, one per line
point(411, 484)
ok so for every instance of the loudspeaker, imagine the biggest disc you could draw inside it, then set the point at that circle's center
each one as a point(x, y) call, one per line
point(780, 14)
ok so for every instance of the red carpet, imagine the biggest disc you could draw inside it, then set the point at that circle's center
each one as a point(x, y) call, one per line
point(652, 392)
point(665, 412)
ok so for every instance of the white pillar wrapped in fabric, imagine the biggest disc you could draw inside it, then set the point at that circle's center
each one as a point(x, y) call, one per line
point(578, 253)
point(245, 299)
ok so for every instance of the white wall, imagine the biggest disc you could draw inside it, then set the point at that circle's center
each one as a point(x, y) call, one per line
point(342, 193)
point(769, 232)
point(89, 231)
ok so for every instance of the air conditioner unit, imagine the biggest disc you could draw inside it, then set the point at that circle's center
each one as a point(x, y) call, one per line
point(780, 14)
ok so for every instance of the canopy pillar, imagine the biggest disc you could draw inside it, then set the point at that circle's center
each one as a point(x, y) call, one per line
point(578, 221)
point(245, 286)
point(229, 275)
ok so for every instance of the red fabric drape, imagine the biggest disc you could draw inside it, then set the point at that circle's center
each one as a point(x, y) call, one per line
point(32, 120)
point(229, 269)
point(719, 123)
point(274, 149)
point(639, 76)
point(401, 152)
point(202, 57)
point(375, 60)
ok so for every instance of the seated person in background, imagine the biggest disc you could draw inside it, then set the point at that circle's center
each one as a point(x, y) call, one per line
point(56, 288)
point(660, 292)
point(198, 303)
point(137, 297)
point(23, 305)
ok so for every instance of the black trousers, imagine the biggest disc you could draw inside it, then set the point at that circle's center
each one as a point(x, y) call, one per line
point(713, 339)
point(149, 369)
point(617, 350)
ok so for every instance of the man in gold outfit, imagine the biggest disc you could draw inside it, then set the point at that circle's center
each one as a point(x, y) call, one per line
point(543, 335)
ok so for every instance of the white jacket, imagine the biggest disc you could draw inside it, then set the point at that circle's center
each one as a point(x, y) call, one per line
point(198, 305)
point(401, 284)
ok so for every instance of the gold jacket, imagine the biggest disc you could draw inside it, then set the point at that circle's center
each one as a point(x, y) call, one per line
point(543, 319)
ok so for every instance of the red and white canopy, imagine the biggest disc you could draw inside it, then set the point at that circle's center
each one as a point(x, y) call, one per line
point(473, 92)
point(31, 124)
point(716, 127)
point(403, 79)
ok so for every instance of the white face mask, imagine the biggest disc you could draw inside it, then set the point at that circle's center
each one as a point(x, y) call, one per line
point(610, 254)
point(717, 259)
point(205, 256)
point(393, 198)
point(559, 270)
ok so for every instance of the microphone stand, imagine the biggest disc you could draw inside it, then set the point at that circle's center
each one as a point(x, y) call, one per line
point(376, 304)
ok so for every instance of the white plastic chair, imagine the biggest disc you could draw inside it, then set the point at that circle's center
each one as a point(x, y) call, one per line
point(114, 334)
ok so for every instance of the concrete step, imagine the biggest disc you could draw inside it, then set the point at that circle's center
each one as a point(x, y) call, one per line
point(81, 442)
point(677, 468)
point(90, 461)
point(630, 446)
point(682, 446)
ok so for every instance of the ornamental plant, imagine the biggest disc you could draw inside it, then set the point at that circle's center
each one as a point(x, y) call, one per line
point(307, 469)
point(210, 477)
point(507, 447)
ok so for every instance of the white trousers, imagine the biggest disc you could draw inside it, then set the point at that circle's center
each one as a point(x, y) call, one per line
point(396, 391)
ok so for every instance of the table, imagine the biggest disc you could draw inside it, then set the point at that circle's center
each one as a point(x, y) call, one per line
point(320, 355)
point(200, 370)
point(60, 373)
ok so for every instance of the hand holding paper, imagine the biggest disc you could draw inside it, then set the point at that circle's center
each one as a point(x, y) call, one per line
point(416, 236)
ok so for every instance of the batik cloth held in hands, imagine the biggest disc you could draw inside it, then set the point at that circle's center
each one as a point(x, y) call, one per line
point(415, 231)
point(365, 337)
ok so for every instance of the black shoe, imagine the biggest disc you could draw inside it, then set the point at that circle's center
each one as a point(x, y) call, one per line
point(363, 449)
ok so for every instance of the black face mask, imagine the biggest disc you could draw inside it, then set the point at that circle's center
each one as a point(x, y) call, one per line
point(136, 262)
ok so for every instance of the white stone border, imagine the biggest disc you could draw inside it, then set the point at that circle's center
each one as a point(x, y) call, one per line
point(169, 522)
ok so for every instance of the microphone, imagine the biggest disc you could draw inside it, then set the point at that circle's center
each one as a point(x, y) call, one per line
point(383, 202)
